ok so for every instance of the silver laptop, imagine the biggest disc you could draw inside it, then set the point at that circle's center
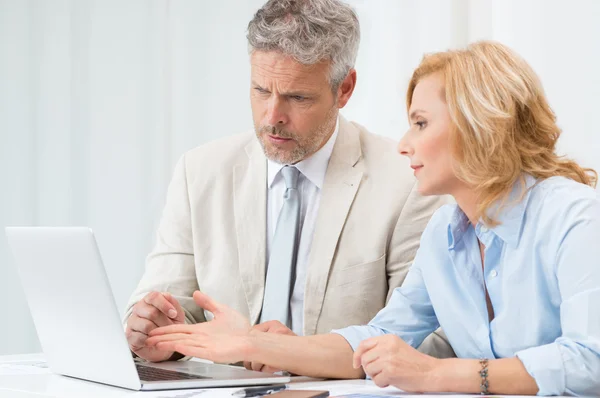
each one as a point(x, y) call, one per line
point(78, 323)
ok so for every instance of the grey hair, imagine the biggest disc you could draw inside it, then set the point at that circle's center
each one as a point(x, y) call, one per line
point(309, 31)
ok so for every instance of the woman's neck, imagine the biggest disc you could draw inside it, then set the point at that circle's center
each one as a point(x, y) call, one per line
point(467, 201)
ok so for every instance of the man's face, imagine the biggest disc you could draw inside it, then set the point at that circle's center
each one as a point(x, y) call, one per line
point(293, 107)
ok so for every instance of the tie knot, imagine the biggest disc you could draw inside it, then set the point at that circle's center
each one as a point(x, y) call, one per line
point(290, 175)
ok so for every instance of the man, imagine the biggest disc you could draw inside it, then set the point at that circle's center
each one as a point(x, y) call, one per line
point(310, 220)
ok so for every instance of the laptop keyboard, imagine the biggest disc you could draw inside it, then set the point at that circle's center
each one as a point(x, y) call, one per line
point(148, 373)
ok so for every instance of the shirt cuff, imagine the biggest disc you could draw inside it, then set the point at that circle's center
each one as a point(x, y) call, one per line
point(545, 365)
point(355, 334)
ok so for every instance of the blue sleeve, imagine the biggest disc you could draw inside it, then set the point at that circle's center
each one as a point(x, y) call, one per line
point(571, 364)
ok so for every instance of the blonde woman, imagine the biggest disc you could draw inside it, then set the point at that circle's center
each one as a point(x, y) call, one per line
point(511, 273)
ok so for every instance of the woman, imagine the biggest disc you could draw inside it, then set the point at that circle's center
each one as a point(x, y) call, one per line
point(511, 273)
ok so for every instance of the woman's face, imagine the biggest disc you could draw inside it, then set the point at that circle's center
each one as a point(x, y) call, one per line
point(426, 143)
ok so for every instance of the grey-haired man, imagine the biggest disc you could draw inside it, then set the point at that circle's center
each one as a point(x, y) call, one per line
point(309, 221)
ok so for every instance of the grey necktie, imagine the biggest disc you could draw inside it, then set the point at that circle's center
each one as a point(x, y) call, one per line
point(282, 259)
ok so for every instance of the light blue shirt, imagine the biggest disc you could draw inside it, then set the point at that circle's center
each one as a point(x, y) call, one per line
point(542, 272)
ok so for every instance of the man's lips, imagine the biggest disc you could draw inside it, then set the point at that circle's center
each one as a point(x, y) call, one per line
point(278, 139)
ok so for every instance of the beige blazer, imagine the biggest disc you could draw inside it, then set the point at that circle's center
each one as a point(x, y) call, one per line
point(212, 233)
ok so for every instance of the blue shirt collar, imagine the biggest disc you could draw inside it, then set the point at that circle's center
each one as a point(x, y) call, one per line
point(510, 218)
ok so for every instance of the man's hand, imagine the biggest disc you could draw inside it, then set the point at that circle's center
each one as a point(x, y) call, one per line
point(225, 339)
point(268, 327)
point(388, 360)
point(153, 311)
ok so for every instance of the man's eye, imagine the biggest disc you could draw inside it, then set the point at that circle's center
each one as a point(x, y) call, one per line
point(261, 90)
point(298, 98)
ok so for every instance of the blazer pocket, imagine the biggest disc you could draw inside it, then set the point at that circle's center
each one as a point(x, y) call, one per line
point(359, 272)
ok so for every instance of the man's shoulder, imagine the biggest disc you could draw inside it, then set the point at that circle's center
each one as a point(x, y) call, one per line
point(379, 153)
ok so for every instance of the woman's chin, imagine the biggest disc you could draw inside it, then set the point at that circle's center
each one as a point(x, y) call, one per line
point(424, 189)
point(429, 189)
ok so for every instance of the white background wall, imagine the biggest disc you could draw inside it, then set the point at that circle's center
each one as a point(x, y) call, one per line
point(98, 98)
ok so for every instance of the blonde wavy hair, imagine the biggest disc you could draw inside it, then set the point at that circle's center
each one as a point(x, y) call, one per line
point(502, 127)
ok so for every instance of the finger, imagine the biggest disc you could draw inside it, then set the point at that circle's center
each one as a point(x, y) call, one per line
point(159, 301)
point(269, 369)
point(285, 331)
point(269, 326)
point(204, 301)
point(363, 347)
point(176, 328)
point(257, 367)
point(381, 380)
point(370, 356)
point(263, 327)
point(169, 337)
point(281, 329)
point(197, 352)
point(169, 346)
point(177, 305)
point(141, 325)
point(273, 327)
point(248, 365)
point(136, 340)
point(185, 347)
point(150, 312)
point(374, 368)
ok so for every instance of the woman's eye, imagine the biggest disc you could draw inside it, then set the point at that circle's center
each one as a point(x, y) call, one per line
point(421, 125)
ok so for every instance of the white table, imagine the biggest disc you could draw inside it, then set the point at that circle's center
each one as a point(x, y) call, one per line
point(50, 385)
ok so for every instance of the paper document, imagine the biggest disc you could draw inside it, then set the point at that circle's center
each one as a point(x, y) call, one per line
point(171, 394)
point(24, 368)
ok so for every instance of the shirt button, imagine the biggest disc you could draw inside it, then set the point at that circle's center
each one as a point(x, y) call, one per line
point(493, 274)
point(483, 229)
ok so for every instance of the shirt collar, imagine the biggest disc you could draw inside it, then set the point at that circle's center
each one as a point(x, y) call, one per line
point(314, 167)
point(510, 218)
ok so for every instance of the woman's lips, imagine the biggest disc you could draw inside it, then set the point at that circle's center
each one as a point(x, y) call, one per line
point(416, 168)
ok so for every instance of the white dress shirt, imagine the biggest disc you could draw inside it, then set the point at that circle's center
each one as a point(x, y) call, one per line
point(310, 183)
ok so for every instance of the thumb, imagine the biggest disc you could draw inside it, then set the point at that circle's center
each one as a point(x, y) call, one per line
point(204, 301)
point(175, 303)
point(263, 327)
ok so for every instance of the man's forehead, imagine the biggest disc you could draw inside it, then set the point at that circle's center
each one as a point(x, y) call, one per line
point(267, 66)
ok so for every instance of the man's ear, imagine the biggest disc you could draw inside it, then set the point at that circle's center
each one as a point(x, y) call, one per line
point(346, 89)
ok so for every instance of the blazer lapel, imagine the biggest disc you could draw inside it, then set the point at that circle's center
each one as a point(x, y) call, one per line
point(343, 177)
point(250, 206)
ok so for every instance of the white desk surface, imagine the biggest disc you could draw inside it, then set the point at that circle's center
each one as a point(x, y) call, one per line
point(55, 386)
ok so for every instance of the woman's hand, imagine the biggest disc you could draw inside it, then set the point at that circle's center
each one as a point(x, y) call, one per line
point(225, 339)
point(388, 360)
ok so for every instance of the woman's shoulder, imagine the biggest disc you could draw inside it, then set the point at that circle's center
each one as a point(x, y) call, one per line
point(556, 204)
point(560, 194)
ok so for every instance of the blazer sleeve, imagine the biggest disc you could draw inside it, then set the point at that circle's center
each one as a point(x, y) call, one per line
point(170, 266)
point(404, 242)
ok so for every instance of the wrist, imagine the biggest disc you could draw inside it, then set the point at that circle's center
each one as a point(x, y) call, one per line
point(251, 345)
point(436, 377)
point(457, 375)
point(443, 375)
